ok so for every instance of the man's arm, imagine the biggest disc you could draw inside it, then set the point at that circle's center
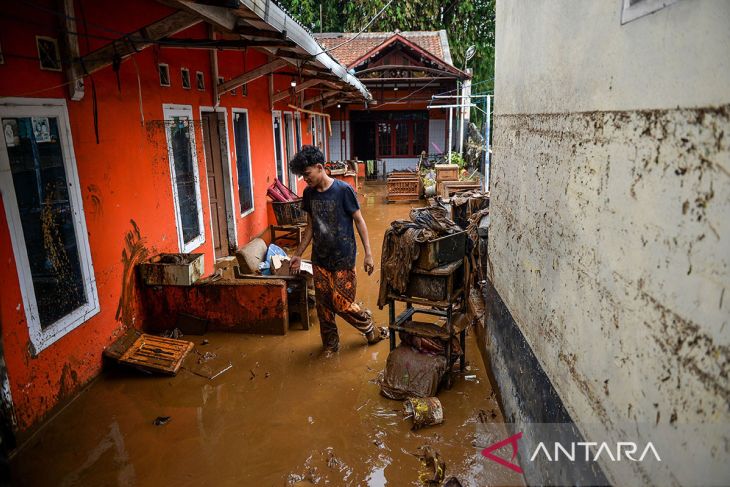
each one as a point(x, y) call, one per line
point(296, 260)
point(362, 229)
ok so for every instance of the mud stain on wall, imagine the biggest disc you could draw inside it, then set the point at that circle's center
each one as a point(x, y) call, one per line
point(134, 252)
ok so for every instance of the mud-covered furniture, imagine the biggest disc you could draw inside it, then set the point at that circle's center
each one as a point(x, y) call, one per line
point(433, 292)
point(251, 255)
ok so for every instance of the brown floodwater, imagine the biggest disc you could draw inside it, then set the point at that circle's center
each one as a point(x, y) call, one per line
point(282, 415)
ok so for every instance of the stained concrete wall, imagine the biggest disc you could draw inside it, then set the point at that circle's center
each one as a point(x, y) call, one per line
point(609, 238)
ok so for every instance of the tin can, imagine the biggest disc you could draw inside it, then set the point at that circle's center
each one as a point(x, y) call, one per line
point(424, 411)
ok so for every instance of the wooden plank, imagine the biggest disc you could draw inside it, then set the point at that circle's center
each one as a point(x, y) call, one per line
point(140, 39)
point(252, 75)
point(73, 73)
point(282, 95)
point(157, 354)
point(221, 17)
point(322, 97)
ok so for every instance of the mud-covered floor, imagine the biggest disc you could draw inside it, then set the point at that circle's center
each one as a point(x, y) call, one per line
point(282, 415)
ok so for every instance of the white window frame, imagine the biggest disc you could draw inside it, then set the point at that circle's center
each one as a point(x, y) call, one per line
point(284, 166)
point(170, 111)
point(42, 338)
point(183, 73)
point(234, 111)
point(167, 69)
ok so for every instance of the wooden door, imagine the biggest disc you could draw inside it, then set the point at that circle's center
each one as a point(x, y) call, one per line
point(216, 187)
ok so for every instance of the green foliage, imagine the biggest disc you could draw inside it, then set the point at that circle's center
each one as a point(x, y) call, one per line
point(458, 160)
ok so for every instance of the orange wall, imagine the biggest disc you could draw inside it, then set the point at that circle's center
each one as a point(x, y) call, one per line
point(124, 178)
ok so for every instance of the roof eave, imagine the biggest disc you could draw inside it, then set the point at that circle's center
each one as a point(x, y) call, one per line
point(273, 15)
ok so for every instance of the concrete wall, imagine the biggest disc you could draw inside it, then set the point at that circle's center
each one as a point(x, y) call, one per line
point(609, 238)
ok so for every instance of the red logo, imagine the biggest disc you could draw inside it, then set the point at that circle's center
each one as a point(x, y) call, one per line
point(512, 440)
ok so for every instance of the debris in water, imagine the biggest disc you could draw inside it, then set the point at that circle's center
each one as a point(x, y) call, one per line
point(452, 482)
point(424, 411)
point(161, 420)
point(268, 374)
point(204, 342)
point(471, 377)
point(436, 467)
point(253, 374)
point(174, 333)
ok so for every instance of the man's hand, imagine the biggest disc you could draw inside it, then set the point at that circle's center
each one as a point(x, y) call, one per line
point(369, 264)
point(295, 264)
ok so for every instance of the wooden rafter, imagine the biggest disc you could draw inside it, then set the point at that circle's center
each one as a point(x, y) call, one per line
point(311, 83)
point(322, 97)
point(221, 17)
point(224, 44)
point(137, 41)
point(252, 75)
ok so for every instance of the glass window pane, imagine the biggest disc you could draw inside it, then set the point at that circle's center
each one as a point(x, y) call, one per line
point(420, 139)
point(46, 214)
point(240, 133)
point(185, 180)
point(384, 142)
point(401, 138)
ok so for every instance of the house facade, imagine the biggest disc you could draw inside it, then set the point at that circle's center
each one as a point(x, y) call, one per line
point(131, 129)
point(402, 70)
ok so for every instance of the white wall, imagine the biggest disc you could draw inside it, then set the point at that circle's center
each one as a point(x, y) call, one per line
point(437, 135)
point(610, 228)
point(335, 141)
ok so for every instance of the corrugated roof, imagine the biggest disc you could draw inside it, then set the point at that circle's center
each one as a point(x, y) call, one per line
point(431, 41)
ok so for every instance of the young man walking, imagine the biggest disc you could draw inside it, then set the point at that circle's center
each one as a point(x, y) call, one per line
point(333, 207)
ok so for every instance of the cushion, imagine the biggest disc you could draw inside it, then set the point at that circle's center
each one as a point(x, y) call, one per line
point(251, 255)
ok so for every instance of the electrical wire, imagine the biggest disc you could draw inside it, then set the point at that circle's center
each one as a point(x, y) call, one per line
point(473, 85)
point(407, 96)
point(358, 34)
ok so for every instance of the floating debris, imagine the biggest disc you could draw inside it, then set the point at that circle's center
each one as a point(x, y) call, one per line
point(161, 420)
point(424, 411)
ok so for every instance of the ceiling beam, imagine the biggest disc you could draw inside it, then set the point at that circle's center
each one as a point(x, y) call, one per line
point(322, 97)
point(309, 84)
point(221, 17)
point(252, 75)
point(223, 44)
point(136, 41)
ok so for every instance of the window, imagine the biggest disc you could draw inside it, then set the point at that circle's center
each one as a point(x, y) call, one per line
point(634, 9)
point(43, 207)
point(243, 159)
point(185, 74)
point(184, 171)
point(278, 150)
point(402, 137)
point(164, 71)
point(244, 89)
point(200, 80)
point(298, 127)
point(384, 139)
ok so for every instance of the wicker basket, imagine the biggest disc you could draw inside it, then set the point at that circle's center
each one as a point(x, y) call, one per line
point(289, 213)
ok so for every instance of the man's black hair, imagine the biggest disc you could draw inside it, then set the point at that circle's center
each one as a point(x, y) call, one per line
point(308, 156)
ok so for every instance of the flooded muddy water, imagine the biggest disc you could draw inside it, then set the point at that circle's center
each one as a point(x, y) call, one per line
point(282, 415)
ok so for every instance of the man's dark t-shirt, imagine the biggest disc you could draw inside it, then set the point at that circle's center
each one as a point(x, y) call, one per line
point(333, 235)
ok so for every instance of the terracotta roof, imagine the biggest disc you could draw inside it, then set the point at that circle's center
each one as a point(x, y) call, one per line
point(432, 41)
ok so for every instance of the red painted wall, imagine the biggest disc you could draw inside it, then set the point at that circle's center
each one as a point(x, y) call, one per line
point(124, 178)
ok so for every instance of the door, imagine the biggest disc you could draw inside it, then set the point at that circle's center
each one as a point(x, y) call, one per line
point(216, 186)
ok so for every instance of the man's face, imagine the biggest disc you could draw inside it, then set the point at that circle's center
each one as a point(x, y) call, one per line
point(313, 175)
